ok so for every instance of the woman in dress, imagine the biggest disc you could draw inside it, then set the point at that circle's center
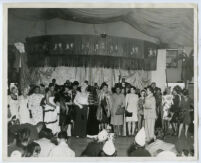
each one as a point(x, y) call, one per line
point(13, 104)
point(35, 106)
point(167, 101)
point(175, 111)
point(92, 123)
point(150, 114)
point(141, 102)
point(65, 118)
point(118, 102)
point(24, 113)
point(81, 100)
point(51, 111)
point(132, 107)
point(104, 107)
point(185, 119)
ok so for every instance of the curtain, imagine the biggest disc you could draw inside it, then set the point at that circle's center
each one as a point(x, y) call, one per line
point(44, 75)
point(159, 75)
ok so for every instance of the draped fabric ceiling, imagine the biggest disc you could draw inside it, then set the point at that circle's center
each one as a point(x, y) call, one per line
point(171, 26)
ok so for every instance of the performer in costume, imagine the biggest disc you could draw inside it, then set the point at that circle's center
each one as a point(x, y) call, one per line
point(51, 111)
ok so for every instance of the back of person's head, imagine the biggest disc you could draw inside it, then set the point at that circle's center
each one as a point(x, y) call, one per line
point(23, 137)
point(62, 135)
point(185, 92)
point(40, 126)
point(46, 133)
point(11, 137)
point(109, 149)
point(131, 149)
point(33, 150)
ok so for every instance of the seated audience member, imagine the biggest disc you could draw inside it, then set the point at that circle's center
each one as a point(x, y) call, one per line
point(108, 149)
point(45, 143)
point(33, 150)
point(166, 154)
point(34, 129)
point(22, 140)
point(137, 149)
point(94, 148)
point(62, 149)
point(159, 144)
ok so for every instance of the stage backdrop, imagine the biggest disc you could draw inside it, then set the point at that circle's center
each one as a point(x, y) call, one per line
point(91, 51)
point(139, 78)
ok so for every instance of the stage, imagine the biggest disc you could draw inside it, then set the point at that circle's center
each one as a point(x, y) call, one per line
point(123, 143)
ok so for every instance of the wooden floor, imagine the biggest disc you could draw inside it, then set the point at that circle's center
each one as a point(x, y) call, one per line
point(123, 143)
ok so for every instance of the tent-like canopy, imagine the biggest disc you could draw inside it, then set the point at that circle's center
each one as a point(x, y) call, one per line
point(172, 26)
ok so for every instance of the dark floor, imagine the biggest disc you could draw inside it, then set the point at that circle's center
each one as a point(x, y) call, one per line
point(123, 143)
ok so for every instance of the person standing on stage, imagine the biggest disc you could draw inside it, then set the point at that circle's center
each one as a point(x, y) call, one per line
point(185, 118)
point(104, 109)
point(132, 107)
point(141, 102)
point(24, 113)
point(81, 101)
point(92, 123)
point(118, 103)
point(13, 104)
point(150, 114)
point(35, 106)
point(51, 111)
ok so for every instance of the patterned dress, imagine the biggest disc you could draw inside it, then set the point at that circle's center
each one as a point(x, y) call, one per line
point(51, 118)
point(35, 107)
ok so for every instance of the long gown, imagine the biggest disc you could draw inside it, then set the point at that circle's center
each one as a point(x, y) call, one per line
point(51, 118)
point(81, 115)
point(35, 107)
point(24, 114)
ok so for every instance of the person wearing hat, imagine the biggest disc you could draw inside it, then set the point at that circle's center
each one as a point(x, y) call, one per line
point(62, 150)
point(108, 149)
point(13, 103)
point(137, 149)
point(185, 119)
point(94, 148)
point(118, 104)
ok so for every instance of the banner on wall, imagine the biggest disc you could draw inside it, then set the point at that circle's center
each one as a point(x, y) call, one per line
point(91, 51)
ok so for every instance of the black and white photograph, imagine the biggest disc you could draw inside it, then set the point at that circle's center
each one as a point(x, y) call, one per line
point(100, 82)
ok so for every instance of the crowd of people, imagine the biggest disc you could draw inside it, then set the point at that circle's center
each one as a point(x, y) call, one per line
point(41, 119)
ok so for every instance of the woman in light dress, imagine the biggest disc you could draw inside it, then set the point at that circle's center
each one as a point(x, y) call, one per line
point(35, 106)
point(132, 107)
point(13, 104)
point(167, 101)
point(51, 111)
point(24, 114)
point(118, 101)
